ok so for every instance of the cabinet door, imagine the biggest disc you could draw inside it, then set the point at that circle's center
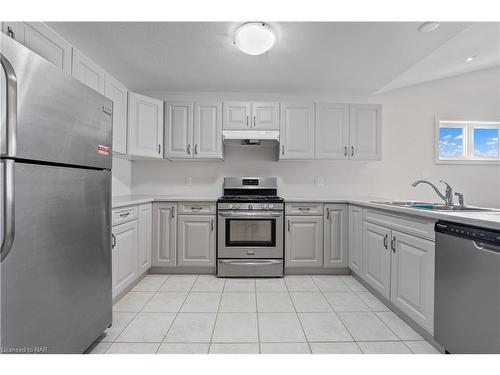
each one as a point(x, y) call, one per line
point(145, 126)
point(87, 71)
point(124, 267)
point(207, 130)
point(335, 232)
point(265, 116)
point(164, 235)
point(356, 239)
point(297, 131)
point(377, 258)
point(117, 92)
point(365, 131)
point(331, 133)
point(145, 217)
point(236, 115)
point(196, 240)
point(178, 130)
point(304, 241)
point(45, 42)
point(412, 278)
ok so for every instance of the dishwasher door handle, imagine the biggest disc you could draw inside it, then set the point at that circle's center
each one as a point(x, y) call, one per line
point(486, 247)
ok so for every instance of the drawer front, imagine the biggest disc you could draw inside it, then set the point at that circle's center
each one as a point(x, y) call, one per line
point(412, 225)
point(124, 214)
point(304, 208)
point(197, 208)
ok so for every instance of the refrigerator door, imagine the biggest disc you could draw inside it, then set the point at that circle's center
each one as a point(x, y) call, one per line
point(56, 279)
point(59, 119)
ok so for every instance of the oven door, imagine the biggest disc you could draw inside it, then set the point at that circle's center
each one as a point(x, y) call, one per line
point(250, 234)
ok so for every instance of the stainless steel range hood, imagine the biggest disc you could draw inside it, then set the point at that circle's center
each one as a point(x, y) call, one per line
point(250, 137)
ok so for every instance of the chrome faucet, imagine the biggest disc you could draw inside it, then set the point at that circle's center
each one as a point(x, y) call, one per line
point(447, 196)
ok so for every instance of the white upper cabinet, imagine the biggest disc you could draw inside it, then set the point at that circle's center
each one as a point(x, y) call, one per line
point(332, 129)
point(87, 71)
point(237, 115)
point(297, 131)
point(193, 130)
point(207, 130)
point(265, 116)
point(145, 126)
point(43, 41)
point(365, 131)
point(178, 130)
point(117, 92)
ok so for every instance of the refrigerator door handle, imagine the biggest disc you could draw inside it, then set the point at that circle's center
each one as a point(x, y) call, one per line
point(8, 216)
point(11, 108)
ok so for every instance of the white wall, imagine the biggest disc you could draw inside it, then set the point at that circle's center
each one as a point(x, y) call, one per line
point(408, 149)
point(121, 176)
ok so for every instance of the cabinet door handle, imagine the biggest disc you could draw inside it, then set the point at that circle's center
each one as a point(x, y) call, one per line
point(212, 225)
point(254, 121)
point(113, 242)
point(247, 120)
point(393, 244)
point(159, 149)
point(173, 211)
point(189, 149)
point(289, 225)
point(345, 151)
point(282, 149)
point(352, 150)
point(328, 214)
point(124, 215)
point(196, 149)
point(10, 32)
point(385, 240)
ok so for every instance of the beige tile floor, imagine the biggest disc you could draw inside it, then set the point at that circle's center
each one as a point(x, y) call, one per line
point(186, 314)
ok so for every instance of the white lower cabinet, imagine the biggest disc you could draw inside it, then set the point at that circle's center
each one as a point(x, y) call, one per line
point(335, 236)
point(196, 240)
point(124, 256)
point(145, 217)
point(377, 258)
point(356, 239)
point(304, 241)
point(165, 234)
point(412, 278)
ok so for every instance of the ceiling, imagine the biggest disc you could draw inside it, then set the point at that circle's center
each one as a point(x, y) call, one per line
point(356, 58)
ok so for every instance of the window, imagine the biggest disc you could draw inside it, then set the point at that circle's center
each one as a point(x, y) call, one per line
point(472, 141)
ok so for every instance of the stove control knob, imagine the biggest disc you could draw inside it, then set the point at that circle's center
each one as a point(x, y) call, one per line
point(236, 206)
point(270, 205)
point(250, 207)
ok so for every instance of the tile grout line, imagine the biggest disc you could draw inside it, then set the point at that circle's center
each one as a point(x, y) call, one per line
point(297, 314)
point(216, 316)
point(176, 314)
point(337, 315)
point(257, 313)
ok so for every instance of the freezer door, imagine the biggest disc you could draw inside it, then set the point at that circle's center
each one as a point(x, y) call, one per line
point(59, 119)
point(56, 279)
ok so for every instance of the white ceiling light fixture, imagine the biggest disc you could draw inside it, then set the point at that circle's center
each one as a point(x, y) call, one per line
point(254, 38)
point(428, 27)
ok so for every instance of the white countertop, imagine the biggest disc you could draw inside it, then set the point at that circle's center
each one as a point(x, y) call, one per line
point(487, 219)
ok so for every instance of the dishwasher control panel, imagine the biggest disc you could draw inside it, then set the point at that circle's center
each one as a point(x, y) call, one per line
point(467, 231)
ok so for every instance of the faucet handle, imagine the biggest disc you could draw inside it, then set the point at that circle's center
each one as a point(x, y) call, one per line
point(448, 187)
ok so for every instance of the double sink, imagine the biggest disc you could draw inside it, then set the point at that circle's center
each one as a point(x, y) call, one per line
point(431, 206)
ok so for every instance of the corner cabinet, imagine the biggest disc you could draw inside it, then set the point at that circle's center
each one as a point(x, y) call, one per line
point(165, 234)
point(297, 131)
point(335, 236)
point(117, 92)
point(365, 132)
point(145, 126)
point(356, 239)
point(193, 130)
point(145, 235)
point(87, 71)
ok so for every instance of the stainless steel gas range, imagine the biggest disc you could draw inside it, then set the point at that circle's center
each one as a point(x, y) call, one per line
point(250, 228)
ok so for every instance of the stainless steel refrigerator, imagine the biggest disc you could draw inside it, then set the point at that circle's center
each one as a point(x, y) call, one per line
point(55, 269)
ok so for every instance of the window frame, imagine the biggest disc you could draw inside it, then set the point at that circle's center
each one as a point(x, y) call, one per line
point(468, 139)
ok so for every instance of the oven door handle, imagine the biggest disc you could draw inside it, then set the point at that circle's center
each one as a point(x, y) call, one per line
point(250, 262)
point(250, 214)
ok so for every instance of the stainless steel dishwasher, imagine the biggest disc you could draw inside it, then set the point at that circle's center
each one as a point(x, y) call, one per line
point(467, 296)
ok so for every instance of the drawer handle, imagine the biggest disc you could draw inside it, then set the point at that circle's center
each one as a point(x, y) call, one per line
point(196, 208)
point(124, 215)
point(304, 208)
